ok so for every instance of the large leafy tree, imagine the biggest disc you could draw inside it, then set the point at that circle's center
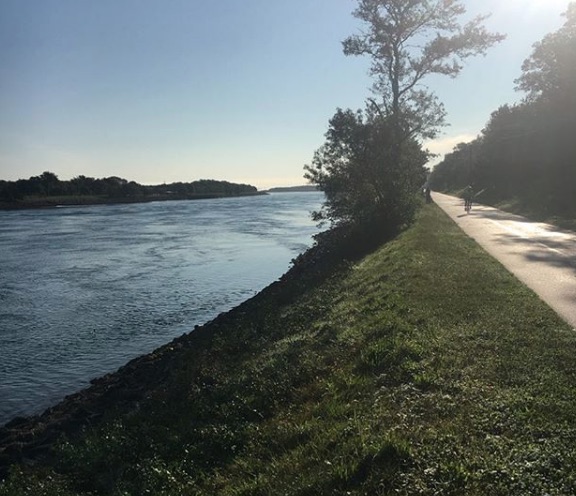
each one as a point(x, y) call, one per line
point(458, 168)
point(372, 163)
point(362, 182)
point(527, 153)
point(409, 40)
point(549, 80)
point(550, 72)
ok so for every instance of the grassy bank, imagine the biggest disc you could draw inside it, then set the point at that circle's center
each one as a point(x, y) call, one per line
point(424, 368)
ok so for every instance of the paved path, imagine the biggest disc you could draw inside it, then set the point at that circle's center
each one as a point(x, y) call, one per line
point(538, 254)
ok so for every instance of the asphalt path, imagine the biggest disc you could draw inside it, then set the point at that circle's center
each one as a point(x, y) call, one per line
point(540, 255)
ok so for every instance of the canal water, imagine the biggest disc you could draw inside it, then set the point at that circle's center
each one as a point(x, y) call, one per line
point(85, 289)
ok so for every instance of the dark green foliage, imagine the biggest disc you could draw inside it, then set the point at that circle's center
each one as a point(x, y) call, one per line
point(48, 186)
point(369, 186)
point(9, 192)
point(457, 169)
point(371, 165)
point(526, 154)
point(549, 74)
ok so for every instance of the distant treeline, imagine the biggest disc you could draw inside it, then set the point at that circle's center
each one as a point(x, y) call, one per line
point(527, 152)
point(47, 187)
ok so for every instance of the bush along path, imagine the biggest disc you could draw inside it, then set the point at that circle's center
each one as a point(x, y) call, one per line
point(422, 368)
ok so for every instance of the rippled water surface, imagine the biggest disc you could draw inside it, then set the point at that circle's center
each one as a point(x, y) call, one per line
point(85, 289)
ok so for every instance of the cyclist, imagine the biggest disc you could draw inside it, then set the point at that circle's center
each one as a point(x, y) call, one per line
point(468, 195)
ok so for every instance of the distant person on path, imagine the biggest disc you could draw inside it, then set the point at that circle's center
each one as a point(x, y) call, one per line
point(468, 195)
point(426, 191)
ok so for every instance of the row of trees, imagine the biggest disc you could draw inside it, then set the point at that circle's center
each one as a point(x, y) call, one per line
point(527, 151)
point(372, 162)
point(48, 185)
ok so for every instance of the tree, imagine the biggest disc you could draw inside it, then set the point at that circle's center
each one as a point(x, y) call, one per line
point(550, 72)
point(459, 168)
point(526, 153)
point(407, 41)
point(51, 184)
point(364, 186)
point(372, 165)
point(549, 79)
point(82, 185)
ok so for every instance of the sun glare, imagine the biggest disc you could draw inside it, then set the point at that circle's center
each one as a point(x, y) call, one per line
point(542, 12)
point(538, 4)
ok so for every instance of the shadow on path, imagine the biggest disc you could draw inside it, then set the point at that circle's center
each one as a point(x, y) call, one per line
point(542, 249)
point(541, 255)
point(534, 241)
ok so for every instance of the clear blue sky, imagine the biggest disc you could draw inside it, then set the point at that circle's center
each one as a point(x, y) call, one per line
point(176, 90)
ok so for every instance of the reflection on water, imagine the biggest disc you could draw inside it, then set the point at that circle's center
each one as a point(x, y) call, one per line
point(85, 289)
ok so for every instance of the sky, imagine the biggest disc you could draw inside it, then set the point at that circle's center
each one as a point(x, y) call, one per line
point(159, 91)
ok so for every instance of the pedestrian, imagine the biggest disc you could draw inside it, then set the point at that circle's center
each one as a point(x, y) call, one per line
point(468, 195)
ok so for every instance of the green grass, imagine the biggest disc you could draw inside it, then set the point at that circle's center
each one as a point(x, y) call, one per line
point(424, 368)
